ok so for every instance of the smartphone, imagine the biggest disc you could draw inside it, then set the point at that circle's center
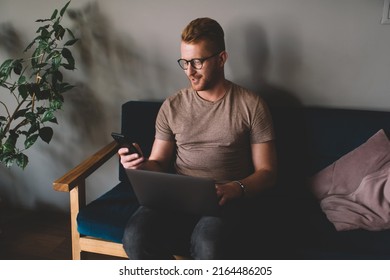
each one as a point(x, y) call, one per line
point(125, 142)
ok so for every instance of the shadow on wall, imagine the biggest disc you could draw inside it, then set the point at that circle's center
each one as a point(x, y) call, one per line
point(107, 75)
point(251, 63)
point(286, 62)
point(10, 40)
point(111, 71)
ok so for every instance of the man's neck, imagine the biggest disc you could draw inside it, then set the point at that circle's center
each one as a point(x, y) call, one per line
point(216, 93)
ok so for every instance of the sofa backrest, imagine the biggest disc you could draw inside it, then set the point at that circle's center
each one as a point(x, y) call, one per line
point(138, 122)
point(311, 138)
point(307, 138)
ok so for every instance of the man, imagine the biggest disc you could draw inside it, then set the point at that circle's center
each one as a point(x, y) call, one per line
point(213, 129)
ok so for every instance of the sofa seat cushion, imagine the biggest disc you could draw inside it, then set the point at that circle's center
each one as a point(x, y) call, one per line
point(351, 244)
point(106, 216)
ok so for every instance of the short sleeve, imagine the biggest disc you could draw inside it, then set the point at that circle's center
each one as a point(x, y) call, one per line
point(163, 130)
point(262, 126)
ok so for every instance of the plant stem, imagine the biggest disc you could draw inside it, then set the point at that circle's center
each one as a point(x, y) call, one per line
point(37, 81)
point(5, 106)
point(22, 123)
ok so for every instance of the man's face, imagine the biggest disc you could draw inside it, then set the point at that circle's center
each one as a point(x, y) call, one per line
point(205, 78)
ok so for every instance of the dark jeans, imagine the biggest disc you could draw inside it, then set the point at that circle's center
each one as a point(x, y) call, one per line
point(156, 234)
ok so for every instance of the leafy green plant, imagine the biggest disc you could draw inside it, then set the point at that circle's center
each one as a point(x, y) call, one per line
point(37, 87)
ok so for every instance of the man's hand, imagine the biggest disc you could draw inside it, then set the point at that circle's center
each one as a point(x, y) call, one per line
point(131, 161)
point(227, 192)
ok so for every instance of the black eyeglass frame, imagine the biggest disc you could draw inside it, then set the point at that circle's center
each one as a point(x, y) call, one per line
point(192, 62)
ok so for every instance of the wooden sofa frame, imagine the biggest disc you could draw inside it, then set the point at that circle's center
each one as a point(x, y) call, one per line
point(74, 183)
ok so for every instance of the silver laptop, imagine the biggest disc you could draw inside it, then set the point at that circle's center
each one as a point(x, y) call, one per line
point(174, 192)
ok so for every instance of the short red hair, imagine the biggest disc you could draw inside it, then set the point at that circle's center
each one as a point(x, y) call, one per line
point(205, 29)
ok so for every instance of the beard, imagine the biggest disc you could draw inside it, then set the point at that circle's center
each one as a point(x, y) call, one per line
point(200, 83)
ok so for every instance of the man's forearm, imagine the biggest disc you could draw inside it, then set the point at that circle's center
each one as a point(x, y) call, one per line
point(153, 165)
point(258, 182)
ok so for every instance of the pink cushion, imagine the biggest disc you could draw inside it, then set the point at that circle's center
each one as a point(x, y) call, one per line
point(342, 192)
point(368, 207)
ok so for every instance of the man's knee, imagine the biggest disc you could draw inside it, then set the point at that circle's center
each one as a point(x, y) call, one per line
point(135, 237)
point(205, 249)
point(207, 239)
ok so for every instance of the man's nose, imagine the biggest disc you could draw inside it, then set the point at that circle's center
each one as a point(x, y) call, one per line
point(190, 70)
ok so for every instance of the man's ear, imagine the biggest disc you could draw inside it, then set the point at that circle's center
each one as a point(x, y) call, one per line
point(223, 56)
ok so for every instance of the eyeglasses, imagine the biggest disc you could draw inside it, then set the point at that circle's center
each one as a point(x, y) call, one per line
point(196, 63)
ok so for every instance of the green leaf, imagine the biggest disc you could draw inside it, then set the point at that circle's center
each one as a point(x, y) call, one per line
point(9, 145)
point(54, 120)
point(8, 148)
point(64, 9)
point(57, 76)
point(41, 110)
point(71, 42)
point(6, 64)
point(54, 15)
point(56, 23)
point(18, 67)
point(6, 68)
point(9, 161)
point(30, 45)
point(44, 45)
point(65, 87)
point(36, 56)
point(30, 140)
point(23, 91)
point(43, 94)
point(70, 33)
point(34, 89)
point(3, 155)
point(43, 30)
point(22, 160)
point(56, 104)
point(22, 80)
point(43, 20)
point(47, 116)
point(67, 54)
point(20, 113)
point(34, 127)
point(59, 32)
point(56, 62)
point(53, 54)
point(46, 134)
point(31, 117)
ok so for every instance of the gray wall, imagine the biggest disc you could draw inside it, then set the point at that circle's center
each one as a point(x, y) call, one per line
point(330, 53)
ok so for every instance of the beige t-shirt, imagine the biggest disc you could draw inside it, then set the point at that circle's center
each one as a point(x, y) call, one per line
point(213, 138)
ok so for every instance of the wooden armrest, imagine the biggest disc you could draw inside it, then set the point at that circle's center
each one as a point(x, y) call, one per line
point(76, 175)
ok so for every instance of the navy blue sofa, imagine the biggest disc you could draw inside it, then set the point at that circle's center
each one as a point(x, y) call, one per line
point(284, 223)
